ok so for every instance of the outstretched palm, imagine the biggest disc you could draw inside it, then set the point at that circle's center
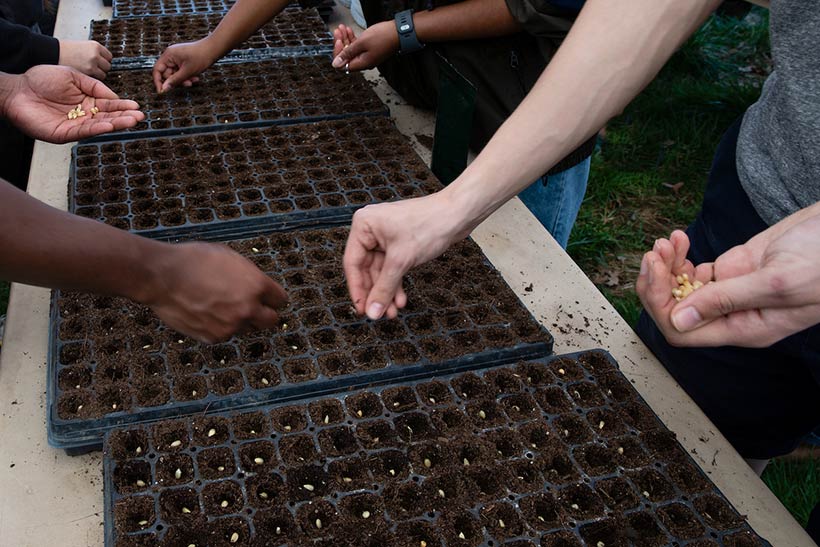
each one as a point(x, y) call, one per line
point(43, 96)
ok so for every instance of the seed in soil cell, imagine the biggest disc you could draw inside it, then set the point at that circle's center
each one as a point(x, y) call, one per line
point(600, 544)
point(265, 381)
point(193, 393)
point(422, 543)
point(234, 537)
point(254, 249)
point(114, 406)
point(284, 326)
point(440, 493)
point(318, 524)
point(574, 506)
point(224, 504)
point(294, 347)
point(601, 424)
point(278, 530)
point(392, 472)
point(146, 346)
point(186, 510)
point(427, 462)
point(645, 494)
point(142, 522)
point(466, 461)
point(327, 419)
point(359, 413)
point(79, 408)
point(501, 524)
point(461, 535)
point(221, 468)
point(176, 444)
point(482, 414)
point(258, 461)
point(561, 371)
point(263, 495)
point(138, 450)
point(222, 361)
point(308, 487)
point(347, 480)
point(566, 433)
point(140, 483)
point(432, 400)
point(180, 341)
point(287, 428)
point(178, 473)
point(365, 514)
point(211, 432)
point(620, 450)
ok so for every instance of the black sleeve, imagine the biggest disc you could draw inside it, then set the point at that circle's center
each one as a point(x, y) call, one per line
point(21, 48)
point(542, 18)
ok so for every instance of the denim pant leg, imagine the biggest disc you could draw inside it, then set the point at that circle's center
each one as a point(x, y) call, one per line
point(556, 199)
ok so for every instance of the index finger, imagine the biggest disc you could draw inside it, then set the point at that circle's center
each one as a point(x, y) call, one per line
point(356, 262)
point(94, 88)
point(274, 296)
point(158, 72)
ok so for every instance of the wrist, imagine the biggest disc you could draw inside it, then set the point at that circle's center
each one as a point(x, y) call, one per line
point(150, 260)
point(387, 30)
point(213, 48)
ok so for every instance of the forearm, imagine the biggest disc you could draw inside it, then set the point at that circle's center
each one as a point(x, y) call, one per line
point(466, 20)
point(47, 247)
point(243, 19)
point(21, 48)
point(612, 52)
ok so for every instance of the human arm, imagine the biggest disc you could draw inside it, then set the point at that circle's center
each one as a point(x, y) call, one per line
point(467, 20)
point(613, 50)
point(180, 64)
point(202, 290)
point(38, 102)
point(763, 290)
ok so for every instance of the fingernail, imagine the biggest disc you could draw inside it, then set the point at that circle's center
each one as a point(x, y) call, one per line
point(375, 310)
point(686, 319)
point(338, 62)
point(655, 247)
point(643, 266)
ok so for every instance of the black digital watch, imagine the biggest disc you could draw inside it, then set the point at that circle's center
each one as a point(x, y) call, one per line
point(408, 41)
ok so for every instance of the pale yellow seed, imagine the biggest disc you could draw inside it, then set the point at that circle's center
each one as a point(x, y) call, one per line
point(318, 524)
point(146, 346)
point(287, 428)
point(142, 522)
point(140, 483)
point(645, 494)
point(254, 249)
point(422, 543)
point(221, 468)
point(365, 514)
point(347, 479)
point(427, 462)
point(432, 400)
point(574, 506)
point(192, 545)
point(482, 414)
point(193, 393)
point(359, 413)
point(284, 326)
point(258, 461)
point(263, 495)
point(601, 424)
point(265, 381)
point(620, 450)
point(440, 493)
point(501, 524)
point(186, 510)
point(308, 487)
point(224, 504)
point(234, 537)
point(211, 432)
point(178, 473)
point(461, 535)
point(79, 408)
point(561, 371)
point(114, 406)
point(541, 518)
point(566, 433)
point(176, 444)
point(138, 450)
point(600, 544)
point(294, 347)
point(278, 530)
point(396, 404)
point(393, 472)
point(327, 419)
point(222, 361)
point(466, 461)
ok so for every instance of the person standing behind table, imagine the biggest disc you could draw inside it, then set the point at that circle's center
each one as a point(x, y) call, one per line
point(501, 47)
point(23, 46)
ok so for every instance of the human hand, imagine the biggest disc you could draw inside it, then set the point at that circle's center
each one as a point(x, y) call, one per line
point(87, 56)
point(38, 103)
point(388, 239)
point(376, 44)
point(209, 292)
point(764, 290)
point(181, 65)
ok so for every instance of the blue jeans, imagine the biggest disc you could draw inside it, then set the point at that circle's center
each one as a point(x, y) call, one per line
point(555, 200)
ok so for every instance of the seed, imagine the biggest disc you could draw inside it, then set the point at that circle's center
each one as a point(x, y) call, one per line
point(77, 386)
point(396, 404)
point(265, 382)
point(176, 444)
point(192, 545)
point(294, 347)
point(94, 110)
point(427, 462)
point(601, 424)
point(440, 493)
point(482, 414)
point(180, 341)
point(186, 510)
point(178, 473)
point(327, 419)
point(318, 524)
point(541, 518)
point(263, 495)
point(347, 479)
point(114, 406)
point(234, 537)
point(140, 483)
point(516, 408)
point(146, 346)
point(600, 544)
point(224, 503)
point(287, 428)
point(222, 361)
point(221, 468)
point(253, 432)
point(142, 522)
point(574, 506)
point(432, 400)
point(254, 249)
point(645, 494)
point(258, 461)
point(461, 535)
point(284, 326)
point(211, 432)
point(561, 371)
point(620, 450)
point(365, 514)
point(79, 408)
point(359, 413)
point(393, 472)
point(193, 393)
point(278, 530)
point(422, 543)
point(501, 523)
point(566, 433)
point(308, 487)
point(466, 461)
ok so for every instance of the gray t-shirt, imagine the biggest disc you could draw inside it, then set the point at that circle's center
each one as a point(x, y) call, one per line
point(778, 151)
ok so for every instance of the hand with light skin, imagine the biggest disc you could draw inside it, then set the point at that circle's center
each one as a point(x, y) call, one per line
point(87, 56)
point(181, 64)
point(376, 44)
point(754, 295)
point(38, 103)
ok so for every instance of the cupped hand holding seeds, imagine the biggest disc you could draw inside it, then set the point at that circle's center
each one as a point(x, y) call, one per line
point(375, 45)
point(763, 291)
point(39, 103)
point(181, 64)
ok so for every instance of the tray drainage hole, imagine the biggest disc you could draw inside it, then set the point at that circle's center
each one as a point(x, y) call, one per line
point(160, 527)
point(529, 455)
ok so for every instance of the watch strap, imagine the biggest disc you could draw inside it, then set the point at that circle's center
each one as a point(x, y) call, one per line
point(408, 41)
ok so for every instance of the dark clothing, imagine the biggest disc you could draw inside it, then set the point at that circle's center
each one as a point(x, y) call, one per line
point(503, 70)
point(21, 47)
point(763, 400)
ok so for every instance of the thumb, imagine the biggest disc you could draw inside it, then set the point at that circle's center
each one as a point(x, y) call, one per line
point(714, 300)
point(348, 54)
point(385, 287)
point(177, 78)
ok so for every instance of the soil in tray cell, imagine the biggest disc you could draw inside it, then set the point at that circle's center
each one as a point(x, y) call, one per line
point(351, 470)
point(178, 198)
point(149, 36)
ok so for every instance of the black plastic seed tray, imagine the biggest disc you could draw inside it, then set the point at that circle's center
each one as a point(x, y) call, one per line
point(244, 95)
point(246, 178)
point(560, 451)
point(112, 362)
point(138, 42)
point(145, 8)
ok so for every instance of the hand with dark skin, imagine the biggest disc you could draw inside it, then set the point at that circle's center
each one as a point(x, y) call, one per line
point(181, 64)
point(754, 295)
point(38, 103)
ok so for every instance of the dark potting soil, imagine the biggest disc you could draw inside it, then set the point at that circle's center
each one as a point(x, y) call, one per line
point(149, 36)
point(116, 357)
point(384, 467)
point(169, 183)
point(143, 8)
point(276, 91)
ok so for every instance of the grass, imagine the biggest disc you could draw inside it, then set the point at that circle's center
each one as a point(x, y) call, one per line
point(649, 174)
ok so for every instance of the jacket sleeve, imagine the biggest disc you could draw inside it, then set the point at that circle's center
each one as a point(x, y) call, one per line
point(21, 48)
point(543, 18)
